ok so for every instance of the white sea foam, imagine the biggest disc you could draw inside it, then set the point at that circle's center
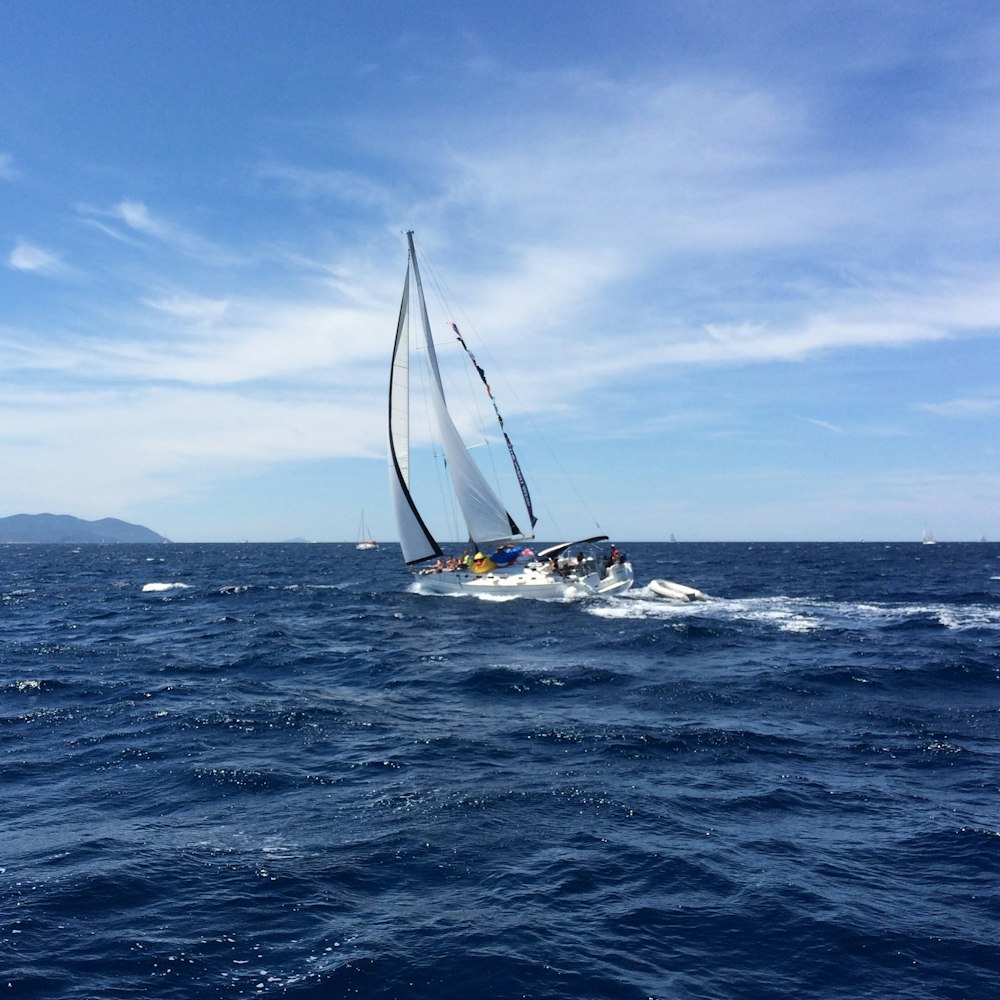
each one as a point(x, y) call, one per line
point(797, 614)
point(155, 588)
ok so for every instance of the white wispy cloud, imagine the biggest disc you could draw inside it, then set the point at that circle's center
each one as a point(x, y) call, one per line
point(196, 341)
point(629, 190)
point(972, 406)
point(129, 219)
point(28, 257)
point(8, 172)
point(136, 216)
point(191, 308)
point(343, 185)
point(115, 232)
point(824, 424)
point(165, 438)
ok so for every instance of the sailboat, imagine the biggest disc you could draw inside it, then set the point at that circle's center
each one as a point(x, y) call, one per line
point(498, 561)
point(365, 540)
point(928, 538)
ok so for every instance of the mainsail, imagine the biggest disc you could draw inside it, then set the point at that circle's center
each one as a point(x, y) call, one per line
point(485, 516)
point(415, 540)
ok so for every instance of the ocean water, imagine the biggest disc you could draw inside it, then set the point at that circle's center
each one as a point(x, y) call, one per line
point(269, 770)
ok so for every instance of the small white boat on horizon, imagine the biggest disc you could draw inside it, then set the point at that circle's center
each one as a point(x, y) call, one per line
point(365, 541)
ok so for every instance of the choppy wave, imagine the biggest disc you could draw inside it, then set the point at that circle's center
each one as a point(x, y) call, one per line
point(290, 776)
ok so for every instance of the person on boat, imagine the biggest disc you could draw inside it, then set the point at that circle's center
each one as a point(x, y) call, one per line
point(482, 564)
point(451, 565)
point(466, 560)
point(563, 566)
point(505, 555)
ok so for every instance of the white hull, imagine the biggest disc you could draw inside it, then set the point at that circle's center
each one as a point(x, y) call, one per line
point(675, 591)
point(525, 581)
point(366, 545)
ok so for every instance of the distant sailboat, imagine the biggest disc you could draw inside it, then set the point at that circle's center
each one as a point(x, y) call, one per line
point(929, 538)
point(365, 541)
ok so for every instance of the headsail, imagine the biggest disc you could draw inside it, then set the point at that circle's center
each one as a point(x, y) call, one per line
point(510, 447)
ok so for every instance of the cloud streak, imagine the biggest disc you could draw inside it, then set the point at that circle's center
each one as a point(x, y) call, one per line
point(140, 223)
point(975, 407)
point(32, 259)
point(8, 172)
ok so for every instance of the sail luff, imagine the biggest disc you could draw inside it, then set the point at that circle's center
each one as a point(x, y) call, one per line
point(415, 540)
point(486, 518)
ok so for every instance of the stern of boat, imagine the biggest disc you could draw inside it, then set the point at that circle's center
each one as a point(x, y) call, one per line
point(617, 579)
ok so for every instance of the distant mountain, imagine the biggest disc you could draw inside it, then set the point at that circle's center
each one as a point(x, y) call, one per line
point(54, 529)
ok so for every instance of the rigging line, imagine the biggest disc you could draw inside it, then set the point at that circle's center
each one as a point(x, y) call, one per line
point(555, 458)
point(525, 413)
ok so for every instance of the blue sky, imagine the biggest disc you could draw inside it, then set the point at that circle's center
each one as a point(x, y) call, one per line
point(739, 262)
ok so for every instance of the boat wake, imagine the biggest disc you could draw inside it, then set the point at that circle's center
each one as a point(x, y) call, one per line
point(802, 614)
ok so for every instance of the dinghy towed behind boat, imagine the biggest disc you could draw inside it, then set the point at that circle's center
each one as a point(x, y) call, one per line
point(676, 591)
point(568, 570)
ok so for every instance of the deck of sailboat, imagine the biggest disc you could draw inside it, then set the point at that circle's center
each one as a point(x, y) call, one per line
point(533, 580)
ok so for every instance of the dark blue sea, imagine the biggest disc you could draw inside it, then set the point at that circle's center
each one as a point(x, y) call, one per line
point(276, 773)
